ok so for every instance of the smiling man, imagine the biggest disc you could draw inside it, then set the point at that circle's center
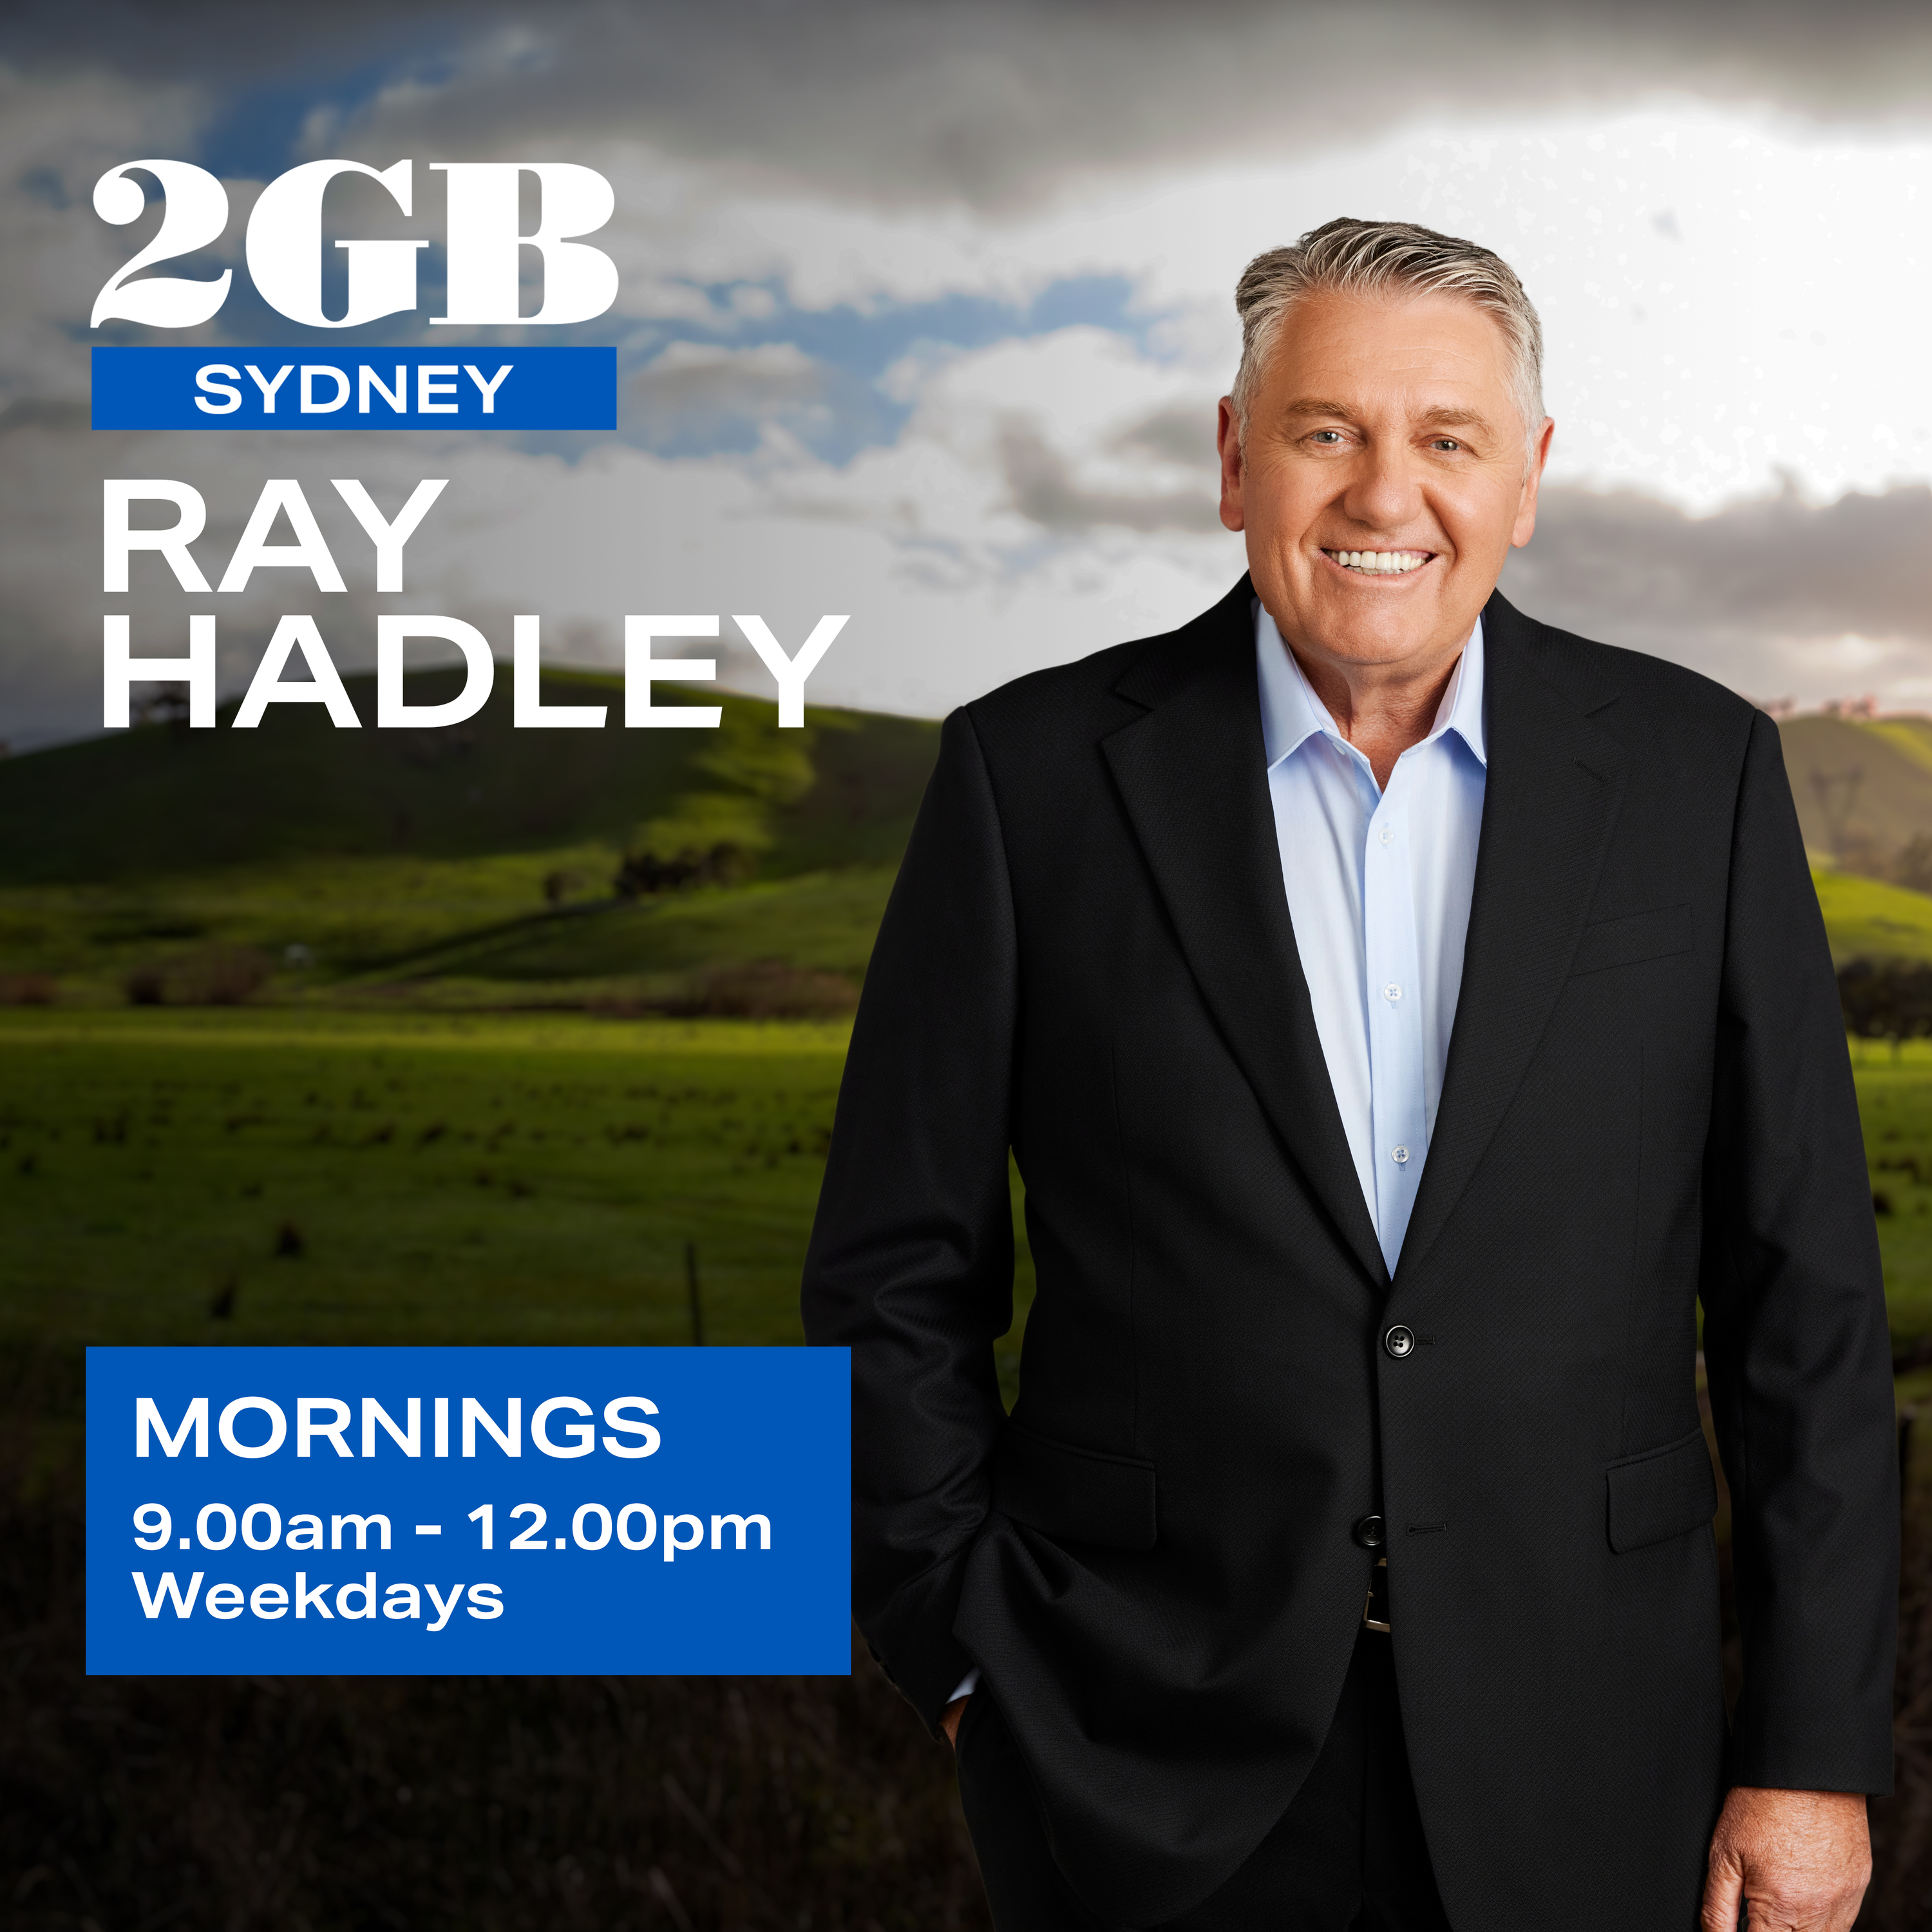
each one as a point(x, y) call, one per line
point(1403, 1017)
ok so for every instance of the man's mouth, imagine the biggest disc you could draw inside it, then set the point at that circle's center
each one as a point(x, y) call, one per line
point(1380, 563)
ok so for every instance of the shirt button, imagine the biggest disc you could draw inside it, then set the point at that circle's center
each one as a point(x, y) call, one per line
point(1386, 834)
point(1399, 1155)
point(1371, 1532)
point(1399, 1341)
point(1391, 992)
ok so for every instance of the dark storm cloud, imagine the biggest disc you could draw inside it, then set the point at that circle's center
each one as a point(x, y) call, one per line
point(988, 101)
point(1618, 563)
point(1042, 486)
point(1756, 594)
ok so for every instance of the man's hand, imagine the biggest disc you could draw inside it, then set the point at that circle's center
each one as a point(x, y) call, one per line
point(949, 1723)
point(1802, 1859)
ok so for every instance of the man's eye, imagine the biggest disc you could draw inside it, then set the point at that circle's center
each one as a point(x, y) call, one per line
point(1445, 443)
point(1329, 436)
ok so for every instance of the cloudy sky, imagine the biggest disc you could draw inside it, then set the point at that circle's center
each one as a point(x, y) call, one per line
point(925, 311)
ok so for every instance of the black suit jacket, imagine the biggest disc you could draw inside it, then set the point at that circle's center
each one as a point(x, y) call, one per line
point(1088, 958)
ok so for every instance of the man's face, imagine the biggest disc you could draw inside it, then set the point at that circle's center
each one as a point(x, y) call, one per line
point(1384, 432)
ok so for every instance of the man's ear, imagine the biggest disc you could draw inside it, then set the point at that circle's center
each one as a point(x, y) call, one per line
point(1524, 527)
point(1228, 440)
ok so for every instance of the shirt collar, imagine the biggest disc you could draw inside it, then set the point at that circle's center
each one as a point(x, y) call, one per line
point(1291, 713)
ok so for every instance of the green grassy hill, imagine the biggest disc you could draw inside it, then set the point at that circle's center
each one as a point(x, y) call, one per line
point(1866, 919)
point(1863, 786)
point(474, 865)
point(160, 800)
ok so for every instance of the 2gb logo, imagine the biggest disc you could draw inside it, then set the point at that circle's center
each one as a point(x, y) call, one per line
point(284, 244)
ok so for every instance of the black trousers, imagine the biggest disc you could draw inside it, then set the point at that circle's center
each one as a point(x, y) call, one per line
point(1348, 1856)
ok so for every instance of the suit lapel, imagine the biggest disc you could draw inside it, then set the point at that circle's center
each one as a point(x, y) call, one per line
point(1555, 785)
point(1192, 775)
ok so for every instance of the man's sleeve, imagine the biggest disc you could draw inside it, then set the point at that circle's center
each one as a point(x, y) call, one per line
point(911, 1259)
point(1795, 1332)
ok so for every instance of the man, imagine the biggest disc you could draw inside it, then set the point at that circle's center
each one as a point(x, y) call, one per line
point(1402, 1015)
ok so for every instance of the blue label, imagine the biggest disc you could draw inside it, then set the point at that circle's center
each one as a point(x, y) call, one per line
point(449, 386)
point(496, 1511)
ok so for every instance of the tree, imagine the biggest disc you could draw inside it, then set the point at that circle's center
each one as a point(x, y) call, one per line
point(1912, 865)
point(1886, 999)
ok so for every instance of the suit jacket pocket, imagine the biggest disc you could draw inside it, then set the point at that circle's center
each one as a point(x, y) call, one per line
point(1661, 1493)
point(1655, 935)
point(1074, 1495)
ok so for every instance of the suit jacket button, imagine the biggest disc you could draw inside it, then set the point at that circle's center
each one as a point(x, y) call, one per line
point(1371, 1532)
point(1400, 1341)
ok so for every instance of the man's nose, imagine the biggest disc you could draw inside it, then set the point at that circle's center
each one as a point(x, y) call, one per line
point(1384, 493)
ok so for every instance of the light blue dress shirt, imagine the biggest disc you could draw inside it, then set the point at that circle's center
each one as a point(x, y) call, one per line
point(1379, 887)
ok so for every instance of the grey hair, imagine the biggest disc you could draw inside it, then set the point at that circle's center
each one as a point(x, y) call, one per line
point(1370, 259)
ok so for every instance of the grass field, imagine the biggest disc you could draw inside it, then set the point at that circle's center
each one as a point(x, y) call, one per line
point(471, 931)
point(1895, 1104)
point(1866, 919)
point(326, 1176)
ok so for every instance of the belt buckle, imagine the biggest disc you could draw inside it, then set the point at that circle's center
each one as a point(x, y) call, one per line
point(1376, 1606)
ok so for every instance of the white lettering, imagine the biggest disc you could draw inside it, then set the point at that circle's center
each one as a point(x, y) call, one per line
point(583, 1434)
point(275, 1535)
point(392, 634)
point(527, 671)
point(148, 1418)
point(266, 688)
point(284, 247)
point(672, 1545)
point(791, 673)
point(427, 387)
point(168, 1591)
point(485, 248)
point(741, 1523)
point(120, 669)
point(278, 1427)
point(397, 398)
point(309, 552)
point(641, 670)
point(489, 388)
point(211, 389)
point(509, 1438)
point(361, 1525)
point(118, 493)
point(373, 1412)
point(267, 388)
point(614, 1418)
point(195, 211)
point(315, 1599)
point(366, 1590)
point(310, 371)
point(307, 1428)
point(389, 537)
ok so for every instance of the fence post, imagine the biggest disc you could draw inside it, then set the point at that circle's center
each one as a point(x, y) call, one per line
point(696, 1305)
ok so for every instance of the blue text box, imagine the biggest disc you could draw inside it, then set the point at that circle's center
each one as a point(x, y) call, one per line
point(450, 386)
point(564, 1511)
